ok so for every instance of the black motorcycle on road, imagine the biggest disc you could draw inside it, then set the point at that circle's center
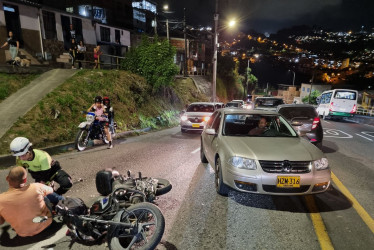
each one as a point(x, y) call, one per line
point(92, 129)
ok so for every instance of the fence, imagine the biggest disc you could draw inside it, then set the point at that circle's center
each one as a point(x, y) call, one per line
point(114, 60)
point(363, 111)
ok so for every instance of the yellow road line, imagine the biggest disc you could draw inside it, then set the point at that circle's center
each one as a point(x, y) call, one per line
point(360, 210)
point(319, 226)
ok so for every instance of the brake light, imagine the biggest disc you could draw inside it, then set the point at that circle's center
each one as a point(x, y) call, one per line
point(331, 106)
point(206, 118)
point(316, 121)
point(354, 109)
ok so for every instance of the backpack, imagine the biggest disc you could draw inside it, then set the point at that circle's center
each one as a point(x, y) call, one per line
point(75, 205)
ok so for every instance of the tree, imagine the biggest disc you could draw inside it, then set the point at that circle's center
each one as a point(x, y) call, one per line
point(153, 59)
point(313, 97)
point(251, 81)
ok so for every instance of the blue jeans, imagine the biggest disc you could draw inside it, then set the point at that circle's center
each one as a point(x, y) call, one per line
point(55, 198)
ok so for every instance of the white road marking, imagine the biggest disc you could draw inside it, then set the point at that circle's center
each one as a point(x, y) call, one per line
point(195, 151)
point(364, 137)
point(326, 121)
point(59, 235)
point(336, 134)
point(367, 133)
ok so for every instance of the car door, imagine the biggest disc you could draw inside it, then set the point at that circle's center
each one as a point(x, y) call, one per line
point(212, 140)
point(204, 136)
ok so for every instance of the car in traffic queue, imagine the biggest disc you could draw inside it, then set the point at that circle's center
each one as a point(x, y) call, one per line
point(305, 120)
point(276, 161)
point(267, 103)
point(196, 116)
point(233, 105)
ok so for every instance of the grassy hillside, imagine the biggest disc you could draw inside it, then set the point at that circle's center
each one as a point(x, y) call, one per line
point(10, 83)
point(55, 119)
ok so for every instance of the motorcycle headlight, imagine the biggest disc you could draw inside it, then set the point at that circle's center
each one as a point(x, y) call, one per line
point(321, 164)
point(243, 163)
point(184, 118)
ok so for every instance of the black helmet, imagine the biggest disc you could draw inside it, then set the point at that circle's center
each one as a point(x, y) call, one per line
point(106, 100)
point(98, 99)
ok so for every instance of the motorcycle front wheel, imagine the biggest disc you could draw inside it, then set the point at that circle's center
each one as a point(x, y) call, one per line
point(148, 229)
point(81, 141)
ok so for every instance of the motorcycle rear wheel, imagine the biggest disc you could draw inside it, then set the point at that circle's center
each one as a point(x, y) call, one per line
point(80, 143)
point(149, 224)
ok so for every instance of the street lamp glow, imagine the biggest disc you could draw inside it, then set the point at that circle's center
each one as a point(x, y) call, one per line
point(232, 23)
point(166, 7)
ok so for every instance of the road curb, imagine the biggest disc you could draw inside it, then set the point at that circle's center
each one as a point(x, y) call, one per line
point(9, 160)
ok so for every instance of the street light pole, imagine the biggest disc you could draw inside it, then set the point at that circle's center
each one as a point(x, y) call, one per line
point(185, 43)
point(215, 53)
point(167, 29)
point(293, 81)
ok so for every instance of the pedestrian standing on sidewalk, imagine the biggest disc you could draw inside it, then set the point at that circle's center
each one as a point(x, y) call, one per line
point(13, 45)
point(97, 53)
point(80, 53)
point(73, 52)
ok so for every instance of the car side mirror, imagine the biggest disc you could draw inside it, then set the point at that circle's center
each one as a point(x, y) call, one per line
point(210, 131)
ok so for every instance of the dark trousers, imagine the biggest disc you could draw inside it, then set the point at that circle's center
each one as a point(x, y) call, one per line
point(64, 180)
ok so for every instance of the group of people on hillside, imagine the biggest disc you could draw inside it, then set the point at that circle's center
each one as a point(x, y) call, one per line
point(22, 201)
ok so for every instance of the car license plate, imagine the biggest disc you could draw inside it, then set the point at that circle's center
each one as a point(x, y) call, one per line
point(288, 181)
point(196, 125)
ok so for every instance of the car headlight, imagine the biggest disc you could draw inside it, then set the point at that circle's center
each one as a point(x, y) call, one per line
point(243, 163)
point(321, 164)
point(206, 118)
point(184, 118)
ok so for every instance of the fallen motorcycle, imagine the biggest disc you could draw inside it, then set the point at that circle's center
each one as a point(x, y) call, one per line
point(140, 189)
point(93, 129)
point(140, 226)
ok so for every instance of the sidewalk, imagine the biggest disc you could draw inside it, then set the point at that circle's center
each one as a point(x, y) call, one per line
point(19, 103)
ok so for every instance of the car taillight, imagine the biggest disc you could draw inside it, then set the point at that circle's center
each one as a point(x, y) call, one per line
point(316, 121)
point(206, 118)
point(331, 106)
point(354, 109)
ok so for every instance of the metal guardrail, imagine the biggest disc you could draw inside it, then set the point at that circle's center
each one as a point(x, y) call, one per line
point(117, 59)
point(363, 111)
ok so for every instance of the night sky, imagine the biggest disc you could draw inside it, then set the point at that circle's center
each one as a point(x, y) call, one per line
point(272, 15)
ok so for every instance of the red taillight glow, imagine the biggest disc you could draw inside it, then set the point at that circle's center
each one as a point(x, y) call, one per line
point(316, 121)
point(354, 109)
point(331, 106)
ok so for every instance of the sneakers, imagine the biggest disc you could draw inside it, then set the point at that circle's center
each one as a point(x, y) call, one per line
point(110, 145)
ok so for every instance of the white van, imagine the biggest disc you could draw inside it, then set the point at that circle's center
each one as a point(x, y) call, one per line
point(337, 103)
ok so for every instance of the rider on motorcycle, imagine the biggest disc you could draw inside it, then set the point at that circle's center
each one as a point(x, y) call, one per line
point(99, 109)
point(41, 167)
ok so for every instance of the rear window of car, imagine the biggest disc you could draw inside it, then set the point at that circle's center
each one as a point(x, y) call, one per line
point(298, 112)
point(201, 108)
point(232, 104)
point(345, 95)
point(268, 102)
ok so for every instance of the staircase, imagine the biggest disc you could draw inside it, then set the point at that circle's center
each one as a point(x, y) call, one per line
point(24, 55)
point(64, 58)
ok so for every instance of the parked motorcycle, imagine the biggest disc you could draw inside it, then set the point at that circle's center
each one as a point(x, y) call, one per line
point(92, 129)
point(140, 226)
point(140, 189)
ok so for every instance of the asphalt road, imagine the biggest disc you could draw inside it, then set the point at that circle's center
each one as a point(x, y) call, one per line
point(198, 218)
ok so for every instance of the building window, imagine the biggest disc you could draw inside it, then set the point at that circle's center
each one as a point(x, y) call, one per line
point(303, 89)
point(105, 34)
point(307, 90)
point(49, 21)
point(70, 9)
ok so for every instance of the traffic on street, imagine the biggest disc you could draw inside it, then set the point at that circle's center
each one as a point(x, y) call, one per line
point(199, 218)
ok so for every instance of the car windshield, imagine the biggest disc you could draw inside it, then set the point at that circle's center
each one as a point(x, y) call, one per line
point(232, 104)
point(268, 102)
point(201, 108)
point(257, 125)
point(291, 113)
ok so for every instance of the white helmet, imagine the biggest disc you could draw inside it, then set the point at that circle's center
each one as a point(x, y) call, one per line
point(19, 146)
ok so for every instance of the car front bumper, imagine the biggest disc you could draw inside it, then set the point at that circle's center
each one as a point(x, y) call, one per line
point(189, 126)
point(258, 181)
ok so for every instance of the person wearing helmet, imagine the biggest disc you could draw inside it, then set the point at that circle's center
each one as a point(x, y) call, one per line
point(99, 109)
point(110, 111)
point(41, 167)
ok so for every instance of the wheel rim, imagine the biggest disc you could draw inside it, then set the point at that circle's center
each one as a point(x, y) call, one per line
point(145, 221)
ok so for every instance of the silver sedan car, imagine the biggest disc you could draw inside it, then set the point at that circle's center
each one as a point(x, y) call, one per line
point(259, 152)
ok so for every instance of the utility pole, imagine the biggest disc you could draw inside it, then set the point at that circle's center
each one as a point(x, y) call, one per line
point(167, 29)
point(311, 87)
point(215, 52)
point(155, 24)
point(185, 43)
